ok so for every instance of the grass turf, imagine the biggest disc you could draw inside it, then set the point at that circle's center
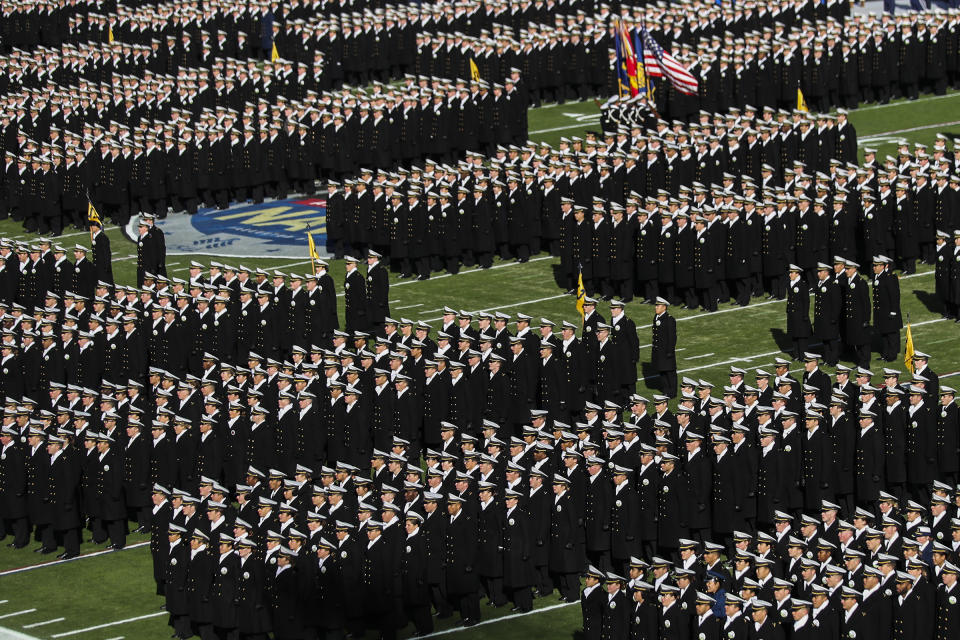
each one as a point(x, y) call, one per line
point(118, 586)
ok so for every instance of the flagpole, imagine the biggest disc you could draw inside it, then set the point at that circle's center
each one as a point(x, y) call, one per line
point(310, 250)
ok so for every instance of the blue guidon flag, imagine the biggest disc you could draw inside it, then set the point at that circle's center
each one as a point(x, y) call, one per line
point(274, 229)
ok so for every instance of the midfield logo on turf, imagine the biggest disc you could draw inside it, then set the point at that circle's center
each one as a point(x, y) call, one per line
point(275, 229)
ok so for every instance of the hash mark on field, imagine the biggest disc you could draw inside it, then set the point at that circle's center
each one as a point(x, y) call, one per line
point(40, 624)
point(4, 601)
point(704, 355)
point(494, 620)
point(80, 557)
point(109, 624)
point(409, 306)
point(17, 613)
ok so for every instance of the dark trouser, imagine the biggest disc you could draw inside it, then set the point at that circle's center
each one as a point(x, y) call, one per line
point(568, 585)
point(623, 289)
point(423, 267)
point(420, 616)
point(522, 251)
point(668, 383)
point(117, 530)
point(889, 345)
point(600, 559)
point(776, 286)
point(181, 625)
point(647, 288)
point(493, 586)
point(70, 539)
point(453, 264)
point(522, 598)
point(667, 292)
point(438, 597)
point(861, 354)
point(708, 298)
point(544, 581)
point(741, 287)
point(18, 527)
point(799, 346)
point(468, 604)
point(918, 491)
point(831, 350)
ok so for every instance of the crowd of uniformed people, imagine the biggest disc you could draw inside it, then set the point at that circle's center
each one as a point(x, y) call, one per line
point(274, 456)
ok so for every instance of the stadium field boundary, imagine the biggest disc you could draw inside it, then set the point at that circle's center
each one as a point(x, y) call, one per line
point(9, 572)
point(9, 634)
point(437, 634)
point(509, 306)
point(109, 624)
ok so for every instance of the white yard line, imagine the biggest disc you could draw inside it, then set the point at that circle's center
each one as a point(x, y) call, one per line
point(10, 634)
point(905, 103)
point(80, 557)
point(109, 624)
point(17, 613)
point(718, 364)
point(878, 136)
point(437, 634)
point(45, 622)
point(508, 306)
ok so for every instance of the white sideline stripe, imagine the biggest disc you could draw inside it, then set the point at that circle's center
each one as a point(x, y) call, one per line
point(109, 624)
point(905, 103)
point(509, 306)
point(717, 364)
point(763, 304)
point(10, 634)
point(581, 125)
point(854, 111)
point(40, 624)
point(448, 275)
point(34, 236)
point(17, 613)
point(867, 139)
point(437, 634)
point(80, 557)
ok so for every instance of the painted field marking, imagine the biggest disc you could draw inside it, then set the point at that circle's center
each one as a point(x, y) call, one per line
point(109, 624)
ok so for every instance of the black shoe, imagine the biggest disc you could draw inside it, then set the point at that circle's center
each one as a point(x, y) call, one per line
point(115, 547)
point(47, 550)
point(423, 278)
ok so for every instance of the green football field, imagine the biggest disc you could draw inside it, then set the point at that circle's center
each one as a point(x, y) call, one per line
point(111, 595)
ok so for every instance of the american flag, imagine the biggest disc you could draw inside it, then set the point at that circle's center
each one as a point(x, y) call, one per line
point(659, 63)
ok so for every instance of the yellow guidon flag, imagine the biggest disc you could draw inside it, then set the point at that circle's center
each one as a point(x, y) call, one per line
point(274, 54)
point(581, 295)
point(801, 103)
point(908, 351)
point(313, 250)
point(474, 70)
point(110, 34)
point(92, 215)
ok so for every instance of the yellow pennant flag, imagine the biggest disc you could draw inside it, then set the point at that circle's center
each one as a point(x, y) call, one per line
point(274, 55)
point(801, 103)
point(474, 70)
point(92, 215)
point(908, 351)
point(581, 295)
point(313, 247)
point(110, 34)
